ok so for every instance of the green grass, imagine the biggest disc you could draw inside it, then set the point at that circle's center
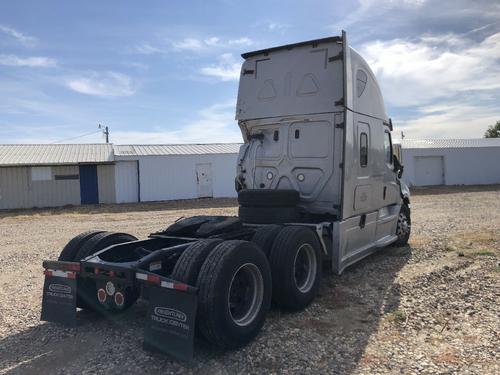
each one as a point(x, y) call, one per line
point(485, 253)
point(398, 316)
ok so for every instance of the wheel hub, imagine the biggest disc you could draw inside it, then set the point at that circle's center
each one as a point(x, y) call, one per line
point(246, 293)
point(305, 268)
point(403, 226)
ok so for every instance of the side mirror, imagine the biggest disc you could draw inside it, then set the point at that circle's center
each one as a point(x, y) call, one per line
point(398, 167)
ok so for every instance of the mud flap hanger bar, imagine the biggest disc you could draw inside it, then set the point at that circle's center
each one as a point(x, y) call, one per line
point(61, 266)
point(171, 318)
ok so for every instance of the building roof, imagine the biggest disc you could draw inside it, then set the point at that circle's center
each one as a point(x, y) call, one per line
point(449, 143)
point(60, 154)
point(182, 149)
point(44, 154)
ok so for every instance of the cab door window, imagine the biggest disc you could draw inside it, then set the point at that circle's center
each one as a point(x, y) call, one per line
point(363, 149)
point(388, 147)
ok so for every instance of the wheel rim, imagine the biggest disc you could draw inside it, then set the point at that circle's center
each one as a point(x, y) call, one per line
point(403, 226)
point(305, 266)
point(246, 293)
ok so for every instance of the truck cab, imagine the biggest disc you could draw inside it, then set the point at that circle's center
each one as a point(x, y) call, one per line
point(313, 120)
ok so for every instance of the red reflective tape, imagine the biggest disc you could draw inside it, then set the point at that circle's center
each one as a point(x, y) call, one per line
point(74, 267)
point(154, 279)
point(181, 287)
point(47, 273)
point(71, 275)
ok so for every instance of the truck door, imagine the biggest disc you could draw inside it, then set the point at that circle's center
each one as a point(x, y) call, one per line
point(363, 185)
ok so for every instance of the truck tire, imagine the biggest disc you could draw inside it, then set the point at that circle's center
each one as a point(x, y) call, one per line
point(101, 241)
point(69, 251)
point(265, 236)
point(268, 198)
point(188, 265)
point(234, 294)
point(295, 267)
point(403, 229)
point(267, 215)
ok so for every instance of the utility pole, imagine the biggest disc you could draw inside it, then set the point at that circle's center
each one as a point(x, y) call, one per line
point(105, 131)
point(402, 135)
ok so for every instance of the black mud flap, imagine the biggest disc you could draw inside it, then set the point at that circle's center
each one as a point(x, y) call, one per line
point(59, 300)
point(170, 322)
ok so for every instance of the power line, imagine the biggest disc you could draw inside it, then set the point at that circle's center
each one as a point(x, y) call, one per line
point(78, 136)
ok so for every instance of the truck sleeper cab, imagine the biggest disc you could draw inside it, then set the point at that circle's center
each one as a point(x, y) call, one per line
point(317, 182)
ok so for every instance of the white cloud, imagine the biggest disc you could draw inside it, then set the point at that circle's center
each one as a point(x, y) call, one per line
point(241, 41)
point(190, 44)
point(416, 72)
point(147, 49)
point(375, 8)
point(19, 36)
point(213, 41)
point(196, 45)
point(276, 26)
point(449, 120)
point(214, 124)
point(227, 68)
point(109, 84)
point(42, 62)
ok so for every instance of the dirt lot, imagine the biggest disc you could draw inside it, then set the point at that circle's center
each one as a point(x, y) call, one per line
point(431, 307)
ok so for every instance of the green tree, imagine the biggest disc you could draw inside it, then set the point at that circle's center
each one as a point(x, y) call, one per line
point(493, 131)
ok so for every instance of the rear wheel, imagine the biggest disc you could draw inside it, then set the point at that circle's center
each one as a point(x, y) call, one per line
point(188, 265)
point(265, 236)
point(296, 267)
point(403, 229)
point(234, 294)
point(101, 241)
point(68, 253)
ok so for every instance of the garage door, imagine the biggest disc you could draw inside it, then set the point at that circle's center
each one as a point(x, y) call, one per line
point(429, 170)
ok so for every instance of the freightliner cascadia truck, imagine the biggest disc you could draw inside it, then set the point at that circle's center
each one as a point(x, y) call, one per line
point(318, 188)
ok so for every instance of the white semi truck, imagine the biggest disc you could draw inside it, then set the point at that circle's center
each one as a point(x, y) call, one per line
point(317, 186)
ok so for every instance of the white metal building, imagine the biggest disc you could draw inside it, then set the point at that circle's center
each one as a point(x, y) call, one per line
point(451, 161)
point(56, 175)
point(167, 172)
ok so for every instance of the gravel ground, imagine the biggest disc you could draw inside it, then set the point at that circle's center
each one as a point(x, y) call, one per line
point(430, 307)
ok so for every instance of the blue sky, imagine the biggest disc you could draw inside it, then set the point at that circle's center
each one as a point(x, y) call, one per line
point(167, 71)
